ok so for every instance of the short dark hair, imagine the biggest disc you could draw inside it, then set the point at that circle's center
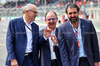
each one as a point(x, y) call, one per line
point(72, 6)
point(50, 11)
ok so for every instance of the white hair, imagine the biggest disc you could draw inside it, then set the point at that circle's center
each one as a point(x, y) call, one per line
point(27, 7)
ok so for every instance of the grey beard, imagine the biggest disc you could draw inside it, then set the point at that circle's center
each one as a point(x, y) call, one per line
point(74, 21)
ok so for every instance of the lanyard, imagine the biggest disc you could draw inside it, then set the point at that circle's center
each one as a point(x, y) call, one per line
point(28, 27)
point(76, 31)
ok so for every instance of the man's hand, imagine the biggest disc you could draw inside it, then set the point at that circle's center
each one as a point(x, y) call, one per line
point(14, 62)
point(47, 33)
point(96, 63)
point(54, 39)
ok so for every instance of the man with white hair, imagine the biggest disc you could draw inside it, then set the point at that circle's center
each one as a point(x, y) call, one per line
point(22, 38)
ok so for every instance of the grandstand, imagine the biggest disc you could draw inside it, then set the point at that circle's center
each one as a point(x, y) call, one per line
point(9, 9)
point(20, 3)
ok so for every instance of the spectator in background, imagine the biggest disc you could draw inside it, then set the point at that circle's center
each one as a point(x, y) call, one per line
point(87, 15)
point(63, 17)
point(59, 19)
point(92, 15)
point(84, 2)
point(0, 19)
point(81, 15)
point(66, 17)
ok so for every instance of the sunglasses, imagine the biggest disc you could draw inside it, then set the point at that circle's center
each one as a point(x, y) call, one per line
point(33, 11)
point(49, 19)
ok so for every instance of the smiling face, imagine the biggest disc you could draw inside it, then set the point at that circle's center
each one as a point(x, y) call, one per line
point(51, 20)
point(72, 14)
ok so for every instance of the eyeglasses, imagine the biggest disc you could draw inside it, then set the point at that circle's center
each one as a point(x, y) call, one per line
point(51, 19)
point(33, 11)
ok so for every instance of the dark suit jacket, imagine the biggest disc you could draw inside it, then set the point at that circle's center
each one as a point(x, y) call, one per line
point(16, 41)
point(45, 54)
point(68, 44)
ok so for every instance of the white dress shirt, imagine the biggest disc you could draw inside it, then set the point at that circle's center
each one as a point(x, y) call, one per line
point(53, 56)
point(29, 37)
point(51, 44)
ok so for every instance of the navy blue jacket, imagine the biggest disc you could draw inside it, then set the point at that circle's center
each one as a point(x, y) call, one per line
point(68, 44)
point(16, 41)
point(45, 54)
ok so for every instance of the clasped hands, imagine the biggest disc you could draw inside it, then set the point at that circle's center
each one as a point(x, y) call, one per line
point(47, 34)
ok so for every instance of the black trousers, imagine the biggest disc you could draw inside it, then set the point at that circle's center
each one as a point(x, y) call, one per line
point(83, 61)
point(28, 60)
point(54, 63)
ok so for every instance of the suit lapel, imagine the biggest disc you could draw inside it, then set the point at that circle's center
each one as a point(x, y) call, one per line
point(22, 25)
point(82, 30)
point(56, 32)
point(33, 31)
point(70, 32)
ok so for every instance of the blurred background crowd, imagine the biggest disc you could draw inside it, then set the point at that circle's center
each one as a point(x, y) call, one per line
point(89, 9)
point(21, 3)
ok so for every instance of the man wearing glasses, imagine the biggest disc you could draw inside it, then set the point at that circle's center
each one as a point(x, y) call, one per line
point(49, 51)
point(22, 38)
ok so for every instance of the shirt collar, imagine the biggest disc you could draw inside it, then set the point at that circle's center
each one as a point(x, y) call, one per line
point(26, 21)
point(53, 32)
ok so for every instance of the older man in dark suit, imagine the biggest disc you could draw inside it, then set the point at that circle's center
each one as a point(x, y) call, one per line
point(78, 41)
point(49, 51)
